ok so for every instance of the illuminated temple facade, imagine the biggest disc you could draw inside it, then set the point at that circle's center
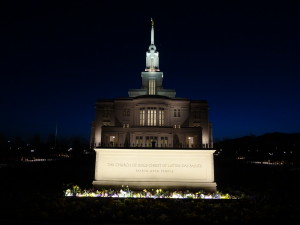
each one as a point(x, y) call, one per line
point(152, 117)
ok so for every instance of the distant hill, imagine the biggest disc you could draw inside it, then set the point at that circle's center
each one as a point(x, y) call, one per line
point(273, 139)
point(270, 146)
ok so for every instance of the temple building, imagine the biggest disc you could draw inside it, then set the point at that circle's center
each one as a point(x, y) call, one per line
point(152, 117)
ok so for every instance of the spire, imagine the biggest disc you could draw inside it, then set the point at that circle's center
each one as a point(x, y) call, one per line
point(152, 78)
point(152, 32)
point(152, 59)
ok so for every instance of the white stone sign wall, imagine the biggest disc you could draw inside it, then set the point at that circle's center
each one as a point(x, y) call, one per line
point(155, 168)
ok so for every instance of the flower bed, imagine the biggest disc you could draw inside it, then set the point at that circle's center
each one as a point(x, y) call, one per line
point(125, 192)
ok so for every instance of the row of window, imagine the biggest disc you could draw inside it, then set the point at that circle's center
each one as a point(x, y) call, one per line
point(153, 118)
point(126, 112)
point(150, 140)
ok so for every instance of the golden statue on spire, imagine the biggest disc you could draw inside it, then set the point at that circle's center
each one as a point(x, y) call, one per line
point(152, 22)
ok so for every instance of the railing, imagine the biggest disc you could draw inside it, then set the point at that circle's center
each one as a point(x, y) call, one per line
point(152, 146)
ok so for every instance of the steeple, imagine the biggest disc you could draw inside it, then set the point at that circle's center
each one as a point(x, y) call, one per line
point(152, 32)
point(152, 59)
point(152, 78)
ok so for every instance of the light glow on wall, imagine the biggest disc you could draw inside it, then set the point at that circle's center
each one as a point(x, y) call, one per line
point(140, 167)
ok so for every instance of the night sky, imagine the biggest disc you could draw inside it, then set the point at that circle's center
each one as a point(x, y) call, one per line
point(59, 57)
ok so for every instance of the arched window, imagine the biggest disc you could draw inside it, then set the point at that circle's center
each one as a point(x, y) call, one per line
point(151, 87)
point(151, 116)
point(161, 117)
point(142, 116)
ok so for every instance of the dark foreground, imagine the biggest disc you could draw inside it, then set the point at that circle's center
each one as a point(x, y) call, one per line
point(33, 194)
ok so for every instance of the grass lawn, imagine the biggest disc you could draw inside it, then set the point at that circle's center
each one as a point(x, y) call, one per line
point(33, 193)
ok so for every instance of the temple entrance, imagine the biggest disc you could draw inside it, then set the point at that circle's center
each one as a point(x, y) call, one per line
point(151, 141)
point(176, 143)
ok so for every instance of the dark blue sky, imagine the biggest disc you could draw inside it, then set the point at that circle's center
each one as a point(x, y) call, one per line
point(58, 58)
